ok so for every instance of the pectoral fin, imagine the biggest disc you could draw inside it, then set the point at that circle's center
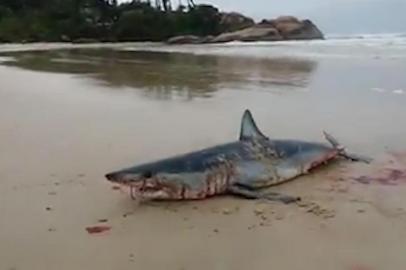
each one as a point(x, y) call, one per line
point(256, 194)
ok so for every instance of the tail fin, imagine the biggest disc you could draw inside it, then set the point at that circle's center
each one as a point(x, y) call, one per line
point(343, 152)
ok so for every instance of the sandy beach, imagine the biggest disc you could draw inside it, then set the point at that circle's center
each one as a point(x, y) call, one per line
point(67, 117)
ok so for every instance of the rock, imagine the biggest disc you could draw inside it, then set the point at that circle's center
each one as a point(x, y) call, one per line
point(207, 39)
point(287, 19)
point(291, 28)
point(256, 33)
point(85, 40)
point(234, 21)
point(187, 39)
point(281, 28)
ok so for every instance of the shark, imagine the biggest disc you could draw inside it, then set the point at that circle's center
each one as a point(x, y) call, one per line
point(246, 167)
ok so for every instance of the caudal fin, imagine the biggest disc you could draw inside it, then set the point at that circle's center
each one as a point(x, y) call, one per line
point(343, 152)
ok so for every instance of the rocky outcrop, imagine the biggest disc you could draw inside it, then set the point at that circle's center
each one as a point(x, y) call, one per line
point(187, 39)
point(281, 28)
point(255, 33)
point(291, 28)
point(234, 21)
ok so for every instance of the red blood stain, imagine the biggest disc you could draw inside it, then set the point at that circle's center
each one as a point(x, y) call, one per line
point(97, 229)
point(388, 177)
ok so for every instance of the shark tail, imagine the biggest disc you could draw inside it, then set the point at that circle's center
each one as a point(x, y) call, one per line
point(343, 152)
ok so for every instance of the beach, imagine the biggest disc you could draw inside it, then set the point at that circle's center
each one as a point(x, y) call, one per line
point(70, 114)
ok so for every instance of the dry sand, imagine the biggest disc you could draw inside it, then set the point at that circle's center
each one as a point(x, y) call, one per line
point(60, 134)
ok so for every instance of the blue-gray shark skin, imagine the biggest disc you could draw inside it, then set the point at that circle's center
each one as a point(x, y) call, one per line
point(242, 167)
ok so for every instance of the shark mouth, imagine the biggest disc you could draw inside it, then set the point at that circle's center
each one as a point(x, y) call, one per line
point(145, 192)
point(151, 189)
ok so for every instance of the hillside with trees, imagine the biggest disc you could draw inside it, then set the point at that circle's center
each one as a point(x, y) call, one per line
point(104, 20)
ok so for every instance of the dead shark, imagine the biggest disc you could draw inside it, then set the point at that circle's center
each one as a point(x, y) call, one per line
point(243, 168)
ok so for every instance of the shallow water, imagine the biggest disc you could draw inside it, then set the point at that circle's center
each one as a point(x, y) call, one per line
point(361, 101)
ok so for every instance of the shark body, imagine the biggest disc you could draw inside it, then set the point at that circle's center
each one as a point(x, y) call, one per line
point(243, 167)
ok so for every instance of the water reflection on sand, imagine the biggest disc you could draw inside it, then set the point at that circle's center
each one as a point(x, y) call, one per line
point(162, 75)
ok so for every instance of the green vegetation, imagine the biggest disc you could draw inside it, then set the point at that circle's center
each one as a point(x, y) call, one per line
point(103, 20)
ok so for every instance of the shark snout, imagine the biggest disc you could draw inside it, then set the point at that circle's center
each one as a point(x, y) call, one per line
point(118, 177)
point(112, 177)
point(124, 178)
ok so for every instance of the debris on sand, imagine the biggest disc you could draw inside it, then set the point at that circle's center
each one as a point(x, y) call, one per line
point(127, 214)
point(103, 220)
point(226, 211)
point(304, 204)
point(115, 188)
point(279, 216)
point(131, 257)
point(97, 229)
point(318, 210)
point(258, 211)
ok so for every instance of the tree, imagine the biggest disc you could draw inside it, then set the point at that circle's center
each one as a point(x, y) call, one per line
point(53, 20)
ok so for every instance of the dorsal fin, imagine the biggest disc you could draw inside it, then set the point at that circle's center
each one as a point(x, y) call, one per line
point(249, 129)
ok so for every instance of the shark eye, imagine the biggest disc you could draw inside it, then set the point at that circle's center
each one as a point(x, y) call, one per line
point(147, 174)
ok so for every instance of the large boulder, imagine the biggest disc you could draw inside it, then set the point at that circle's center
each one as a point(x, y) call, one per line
point(255, 33)
point(281, 28)
point(234, 21)
point(290, 28)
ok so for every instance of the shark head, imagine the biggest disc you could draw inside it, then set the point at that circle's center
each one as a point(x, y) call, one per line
point(151, 181)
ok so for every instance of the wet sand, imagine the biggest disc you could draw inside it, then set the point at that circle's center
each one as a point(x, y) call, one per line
point(68, 117)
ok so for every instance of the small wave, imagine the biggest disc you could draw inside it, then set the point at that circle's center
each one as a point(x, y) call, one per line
point(398, 91)
point(366, 36)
